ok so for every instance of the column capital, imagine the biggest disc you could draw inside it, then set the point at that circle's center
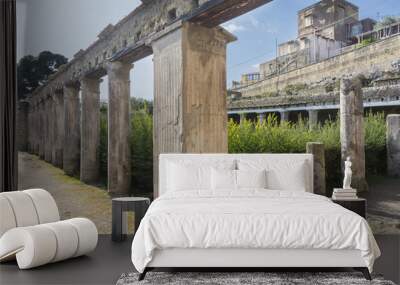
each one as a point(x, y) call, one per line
point(348, 84)
point(72, 85)
point(119, 68)
point(91, 84)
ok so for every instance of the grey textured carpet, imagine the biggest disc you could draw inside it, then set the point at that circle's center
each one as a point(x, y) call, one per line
point(268, 278)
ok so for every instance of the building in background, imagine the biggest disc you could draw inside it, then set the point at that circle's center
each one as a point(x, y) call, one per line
point(304, 78)
point(323, 30)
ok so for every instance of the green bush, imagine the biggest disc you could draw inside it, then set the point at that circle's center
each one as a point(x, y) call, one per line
point(366, 42)
point(272, 137)
point(141, 143)
point(248, 137)
point(103, 144)
point(141, 146)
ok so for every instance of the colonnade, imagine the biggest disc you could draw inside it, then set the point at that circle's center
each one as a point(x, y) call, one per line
point(189, 109)
point(64, 129)
point(284, 116)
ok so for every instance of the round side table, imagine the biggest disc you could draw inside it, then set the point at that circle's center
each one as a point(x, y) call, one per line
point(120, 206)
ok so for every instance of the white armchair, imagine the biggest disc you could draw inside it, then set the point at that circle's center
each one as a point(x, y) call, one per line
point(31, 230)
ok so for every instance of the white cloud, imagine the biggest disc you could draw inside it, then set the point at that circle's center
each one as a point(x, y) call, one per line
point(254, 22)
point(234, 27)
point(248, 23)
point(261, 25)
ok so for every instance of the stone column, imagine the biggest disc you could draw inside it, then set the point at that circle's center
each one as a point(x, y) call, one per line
point(242, 118)
point(352, 130)
point(90, 130)
point(393, 144)
point(312, 119)
point(72, 132)
point(38, 134)
point(318, 151)
point(53, 129)
point(42, 129)
point(59, 128)
point(119, 157)
point(284, 116)
point(33, 121)
point(47, 129)
point(190, 91)
point(261, 117)
point(30, 126)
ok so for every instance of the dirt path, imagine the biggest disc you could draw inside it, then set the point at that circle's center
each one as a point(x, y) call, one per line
point(74, 198)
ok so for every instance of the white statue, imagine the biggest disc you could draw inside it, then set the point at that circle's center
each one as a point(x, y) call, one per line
point(347, 174)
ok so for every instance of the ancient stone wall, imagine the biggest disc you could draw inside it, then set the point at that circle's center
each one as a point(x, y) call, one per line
point(378, 56)
point(377, 94)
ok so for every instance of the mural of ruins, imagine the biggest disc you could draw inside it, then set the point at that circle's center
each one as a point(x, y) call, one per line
point(300, 96)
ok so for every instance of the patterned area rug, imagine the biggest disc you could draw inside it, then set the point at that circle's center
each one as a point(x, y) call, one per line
point(243, 278)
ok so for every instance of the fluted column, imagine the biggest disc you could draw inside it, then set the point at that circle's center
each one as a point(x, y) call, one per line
point(72, 132)
point(317, 149)
point(31, 127)
point(284, 116)
point(59, 128)
point(312, 119)
point(38, 128)
point(393, 144)
point(242, 118)
point(42, 129)
point(53, 129)
point(190, 92)
point(48, 129)
point(352, 130)
point(119, 158)
point(261, 118)
point(90, 130)
point(34, 121)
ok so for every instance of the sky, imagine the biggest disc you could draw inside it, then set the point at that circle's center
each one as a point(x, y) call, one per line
point(66, 26)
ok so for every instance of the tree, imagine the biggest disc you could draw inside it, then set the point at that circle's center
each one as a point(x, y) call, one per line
point(34, 71)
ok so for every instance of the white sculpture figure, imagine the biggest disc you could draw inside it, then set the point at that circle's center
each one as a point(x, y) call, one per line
point(347, 174)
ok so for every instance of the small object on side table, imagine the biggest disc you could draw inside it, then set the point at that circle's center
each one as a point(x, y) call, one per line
point(344, 194)
point(139, 205)
point(358, 205)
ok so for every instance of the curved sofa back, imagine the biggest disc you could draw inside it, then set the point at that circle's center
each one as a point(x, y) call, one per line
point(26, 208)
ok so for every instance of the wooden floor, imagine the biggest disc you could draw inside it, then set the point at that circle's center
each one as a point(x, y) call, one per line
point(110, 260)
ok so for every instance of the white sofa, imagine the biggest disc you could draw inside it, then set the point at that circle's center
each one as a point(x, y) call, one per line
point(31, 231)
